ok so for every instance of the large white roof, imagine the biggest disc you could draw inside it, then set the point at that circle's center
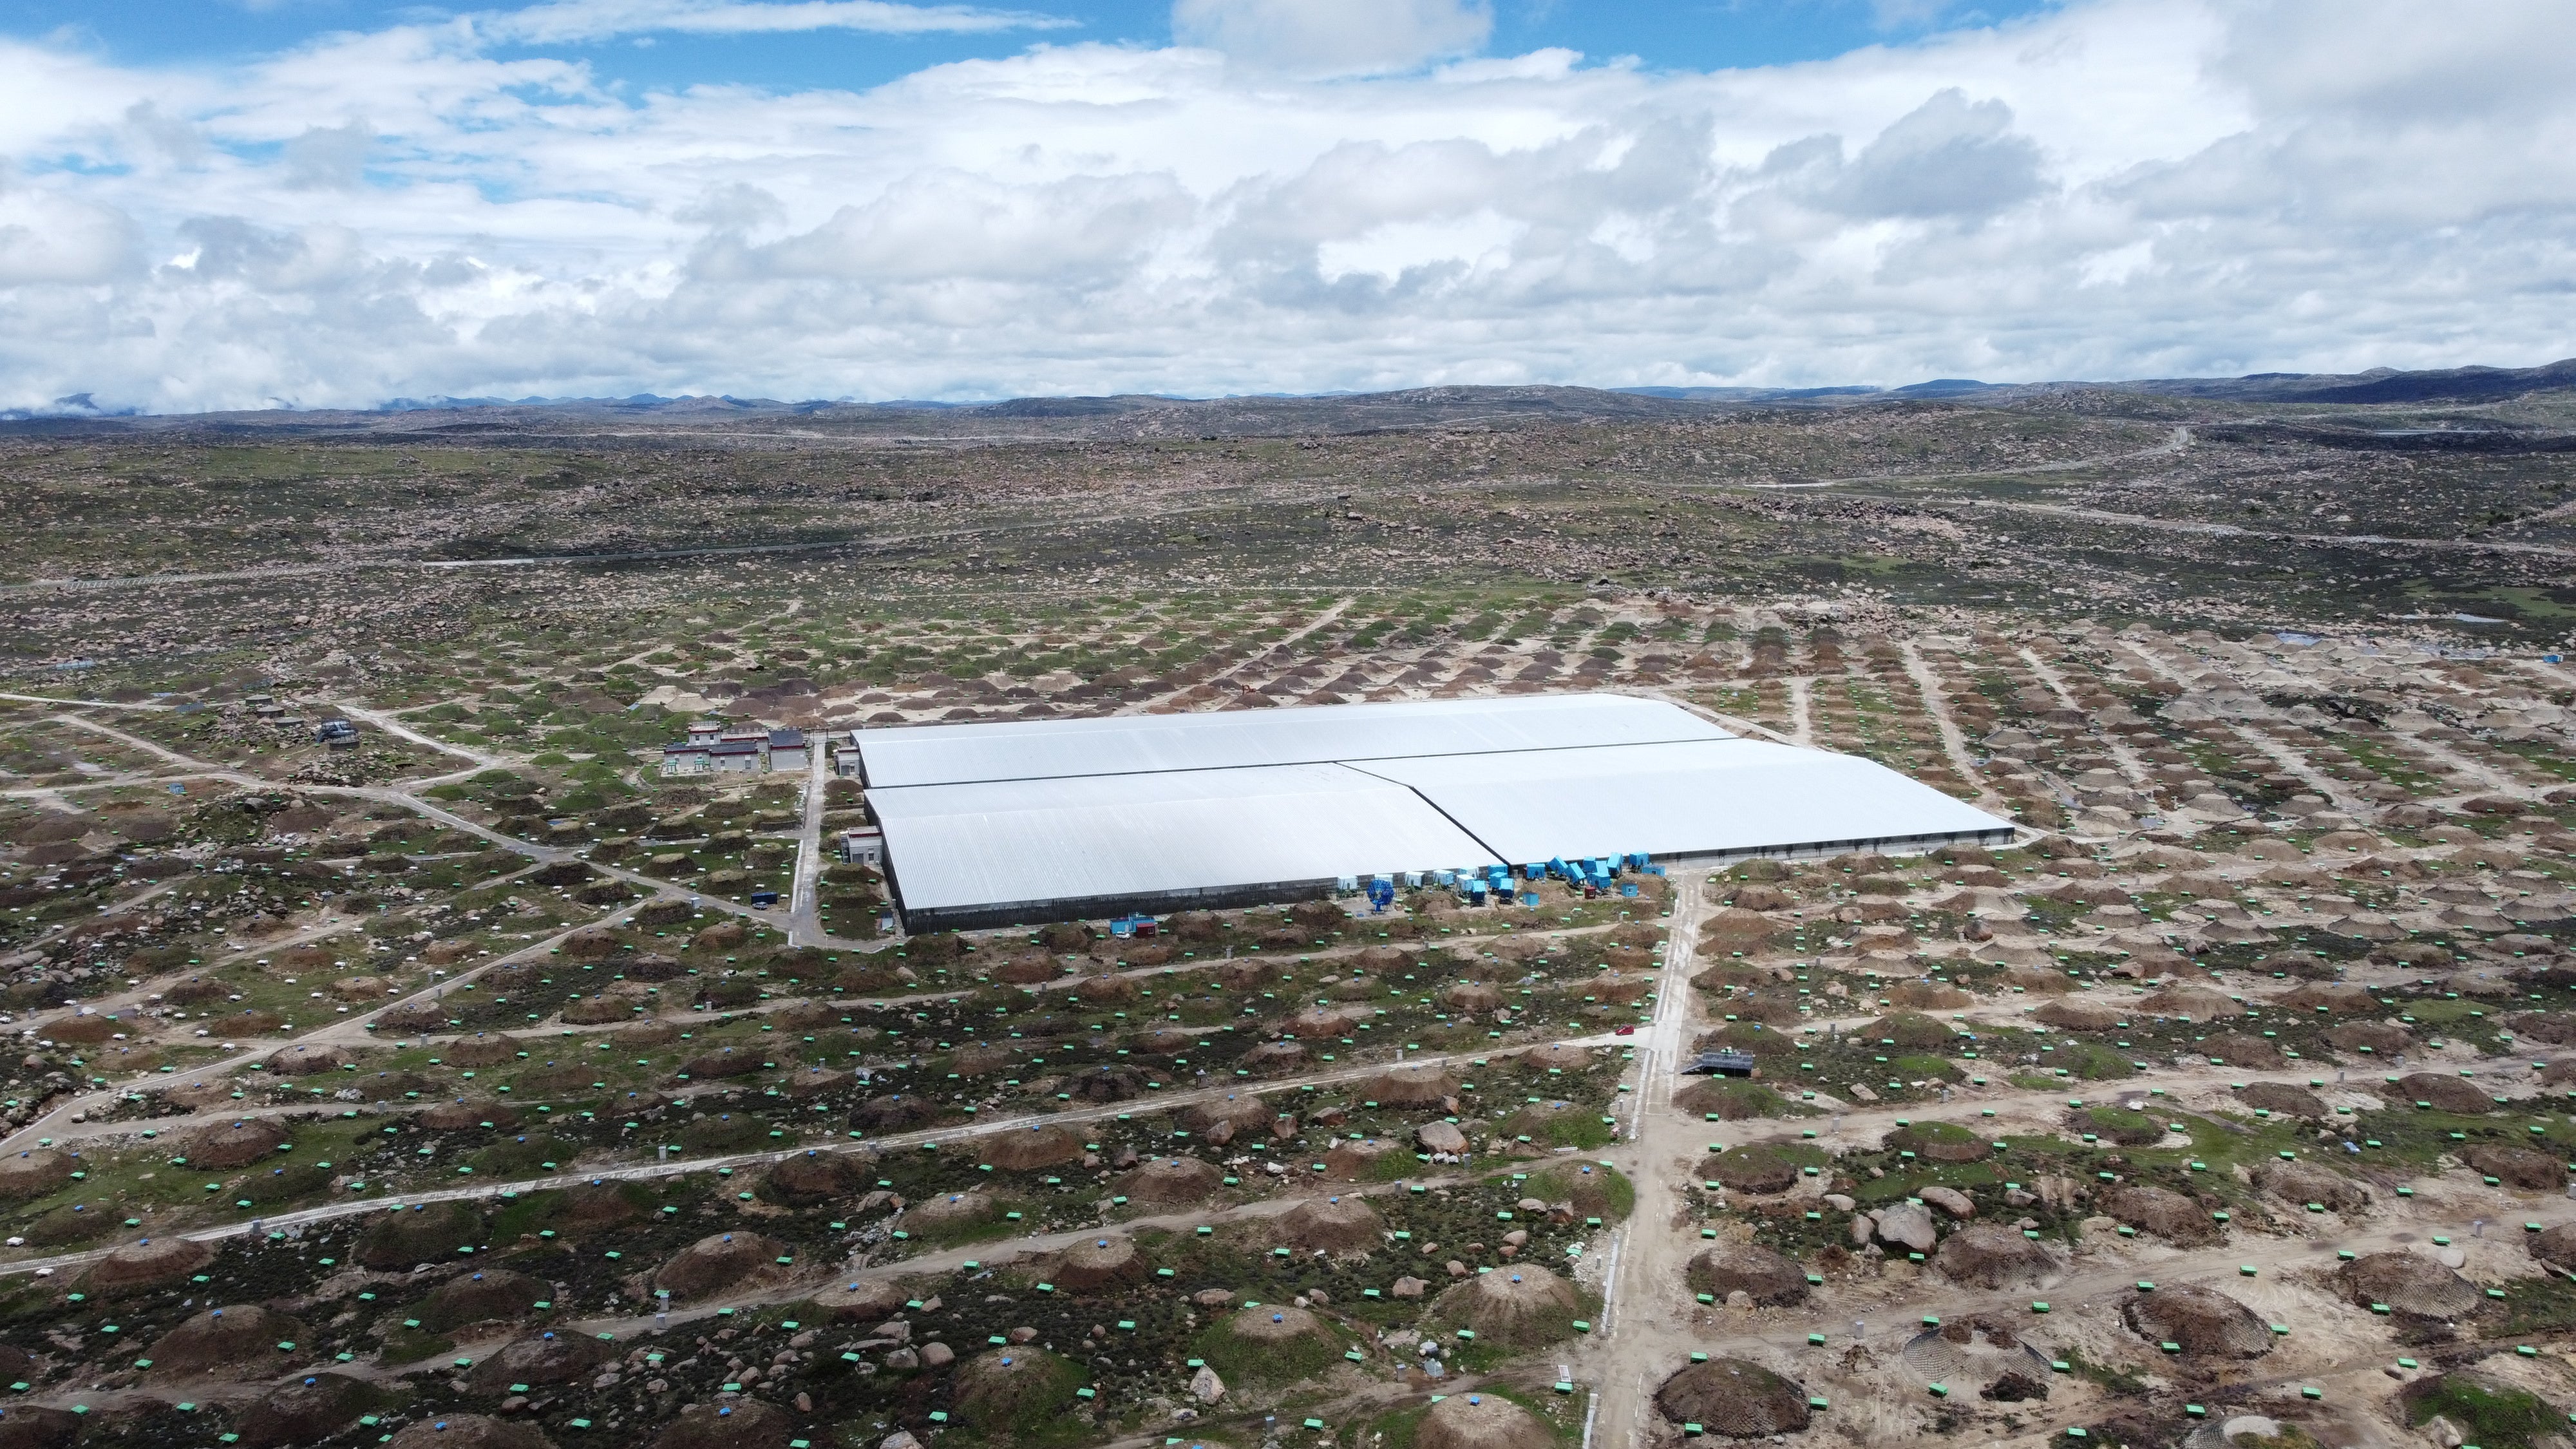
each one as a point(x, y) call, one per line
point(986, 823)
point(1132, 744)
point(996, 844)
point(1714, 797)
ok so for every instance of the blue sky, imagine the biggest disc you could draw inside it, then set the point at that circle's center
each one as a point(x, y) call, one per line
point(1666, 34)
point(308, 203)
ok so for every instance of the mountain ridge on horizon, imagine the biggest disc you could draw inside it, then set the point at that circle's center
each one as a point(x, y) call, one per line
point(2376, 385)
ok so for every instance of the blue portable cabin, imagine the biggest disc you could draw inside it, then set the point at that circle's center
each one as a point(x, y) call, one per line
point(1628, 889)
point(1557, 867)
point(1444, 877)
point(1476, 891)
point(1413, 880)
point(1639, 861)
point(1534, 871)
point(1347, 885)
point(1498, 877)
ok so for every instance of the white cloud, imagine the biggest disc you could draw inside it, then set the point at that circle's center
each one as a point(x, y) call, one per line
point(579, 20)
point(2117, 188)
point(1334, 37)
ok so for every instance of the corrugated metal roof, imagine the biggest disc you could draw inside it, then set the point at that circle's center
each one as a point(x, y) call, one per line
point(1132, 744)
point(1003, 843)
point(1698, 798)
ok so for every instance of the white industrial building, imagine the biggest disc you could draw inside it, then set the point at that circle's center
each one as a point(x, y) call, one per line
point(1015, 821)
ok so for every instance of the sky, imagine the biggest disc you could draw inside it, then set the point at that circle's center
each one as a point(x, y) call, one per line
point(216, 204)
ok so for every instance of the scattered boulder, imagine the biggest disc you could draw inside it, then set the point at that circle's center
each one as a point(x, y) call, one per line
point(1441, 1137)
point(2555, 1246)
point(1907, 1225)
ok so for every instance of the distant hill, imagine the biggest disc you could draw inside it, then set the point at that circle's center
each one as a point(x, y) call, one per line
point(1146, 416)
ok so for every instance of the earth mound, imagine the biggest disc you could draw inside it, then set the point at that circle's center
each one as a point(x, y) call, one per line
point(1480, 1421)
point(2333, 996)
point(2236, 1049)
point(723, 1260)
point(1026, 1151)
point(1335, 1224)
point(1095, 1263)
point(463, 1116)
point(2283, 1100)
point(1017, 1387)
point(2519, 1167)
point(34, 1426)
point(430, 1233)
point(304, 1061)
point(469, 1431)
point(1170, 1181)
point(2408, 1284)
point(305, 1411)
point(1990, 1255)
point(2376, 1037)
point(2206, 1322)
point(543, 1358)
point(2167, 1214)
point(951, 1207)
point(1747, 1268)
point(1731, 1397)
point(1234, 1115)
point(751, 1425)
point(2444, 1094)
point(815, 1177)
point(34, 1173)
point(1408, 1088)
point(2305, 1182)
point(1753, 1168)
point(236, 1342)
point(2555, 1246)
point(146, 1264)
point(240, 1144)
point(2080, 1015)
point(1275, 1323)
point(490, 1295)
point(1515, 1306)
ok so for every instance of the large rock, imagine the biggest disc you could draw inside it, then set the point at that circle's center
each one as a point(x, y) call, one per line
point(2555, 1246)
point(1908, 1225)
point(1440, 1137)
point(1733, 1398)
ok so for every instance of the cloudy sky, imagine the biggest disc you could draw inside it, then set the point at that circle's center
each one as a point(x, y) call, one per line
point(248, 203)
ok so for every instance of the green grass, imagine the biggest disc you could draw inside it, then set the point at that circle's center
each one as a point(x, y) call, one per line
point(2490, 1415)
